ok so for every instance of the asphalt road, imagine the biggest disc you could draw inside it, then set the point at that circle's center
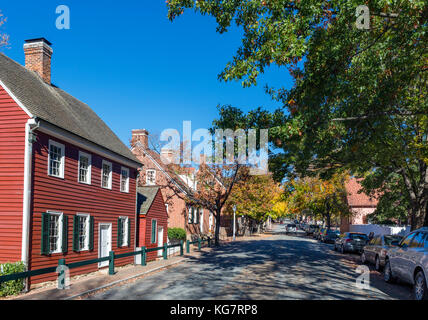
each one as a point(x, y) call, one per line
point(276, 267)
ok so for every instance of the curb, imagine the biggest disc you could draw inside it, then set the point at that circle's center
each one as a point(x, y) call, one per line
point(122, 280)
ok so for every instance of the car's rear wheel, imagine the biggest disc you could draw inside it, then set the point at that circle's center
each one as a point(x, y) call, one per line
point(377, 264)
point(363, 258)
point(387, 275)
point(420, 287)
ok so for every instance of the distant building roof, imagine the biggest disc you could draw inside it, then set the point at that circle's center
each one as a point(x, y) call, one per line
point(145, 197)
point(356, 199)
point(57, 107)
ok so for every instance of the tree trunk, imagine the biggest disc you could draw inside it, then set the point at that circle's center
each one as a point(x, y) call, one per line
point(418, 214)
point(217, 229)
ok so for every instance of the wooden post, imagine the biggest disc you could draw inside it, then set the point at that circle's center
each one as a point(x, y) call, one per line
point(111, 263)
point(199, 244)
point(143, 256)
point(165, 251)
point(181, 248)
point(187, 246)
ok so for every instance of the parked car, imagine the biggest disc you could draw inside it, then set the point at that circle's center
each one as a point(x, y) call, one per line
point(311, 228)
point(291, 227)
point(329, 236)
point(351, 242)
point(409, 262)
point(375, 251)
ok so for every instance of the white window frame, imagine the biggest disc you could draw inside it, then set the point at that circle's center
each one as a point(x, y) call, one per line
point(149, 183)
point(127, 179)
point(110, 184)
point(60, 224)
point(125, 229)
point(88, 225)
point(87, 155)
point(62, 166)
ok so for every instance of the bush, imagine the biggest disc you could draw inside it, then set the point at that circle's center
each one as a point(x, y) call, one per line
point(176, 234)
point(15, 286)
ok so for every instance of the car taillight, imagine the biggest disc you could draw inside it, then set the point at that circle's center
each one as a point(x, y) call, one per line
point(348, 240)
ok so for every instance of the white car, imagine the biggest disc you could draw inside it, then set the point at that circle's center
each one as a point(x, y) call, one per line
point(409, 262)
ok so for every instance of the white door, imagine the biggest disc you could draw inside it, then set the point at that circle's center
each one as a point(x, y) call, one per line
point(201, 217)
point(160, 240)
point(104, 243)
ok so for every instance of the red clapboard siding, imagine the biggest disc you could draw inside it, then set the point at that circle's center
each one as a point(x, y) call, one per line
point(12, 151)
point(157, 211)
point(71, 197)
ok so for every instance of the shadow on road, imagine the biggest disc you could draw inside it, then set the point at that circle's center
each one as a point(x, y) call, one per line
point(291, 268)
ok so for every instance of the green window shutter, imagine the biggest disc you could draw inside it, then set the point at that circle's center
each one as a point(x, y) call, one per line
point(76, 233)
point(154, 227)
point(119, 232)
point(129, 232)
point(91, 233)
point(45, 234)
point(64, 233)
point(197, 216)
point(192, 216)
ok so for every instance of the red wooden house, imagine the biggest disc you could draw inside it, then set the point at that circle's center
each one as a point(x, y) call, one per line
point(67, 182)
point(152, 219)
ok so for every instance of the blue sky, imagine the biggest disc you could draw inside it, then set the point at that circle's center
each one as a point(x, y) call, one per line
point(133, 66)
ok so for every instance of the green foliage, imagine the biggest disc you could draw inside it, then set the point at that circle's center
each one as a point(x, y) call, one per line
point(359, 99)
point(176, 234)
point(11, 287)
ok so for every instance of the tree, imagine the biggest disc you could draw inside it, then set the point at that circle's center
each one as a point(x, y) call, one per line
point(4, 38)
point(214, 185)
point(257, 198)
point(359, 99)
point(319, 198)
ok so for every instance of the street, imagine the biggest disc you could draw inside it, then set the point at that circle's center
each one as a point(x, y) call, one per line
point(275, 267)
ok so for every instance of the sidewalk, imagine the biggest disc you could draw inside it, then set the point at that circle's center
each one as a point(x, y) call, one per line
point(86, 284)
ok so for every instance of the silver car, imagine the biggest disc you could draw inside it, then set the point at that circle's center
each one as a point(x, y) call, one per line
point(409, 262)
point(375, 251)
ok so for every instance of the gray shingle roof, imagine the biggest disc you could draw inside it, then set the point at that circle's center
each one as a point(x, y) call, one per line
point(145, 197)
point(57, 107)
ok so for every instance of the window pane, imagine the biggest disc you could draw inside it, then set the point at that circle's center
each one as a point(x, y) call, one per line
point(106, 175)
point(124, 180)
point(84, 169)
point(417, 240)
point(55, 158)
point(407, 240)
point(83, 232)
point(53, 233)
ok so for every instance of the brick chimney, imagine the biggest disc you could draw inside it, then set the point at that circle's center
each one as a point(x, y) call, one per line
point(38, 53)
point(141, 135)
